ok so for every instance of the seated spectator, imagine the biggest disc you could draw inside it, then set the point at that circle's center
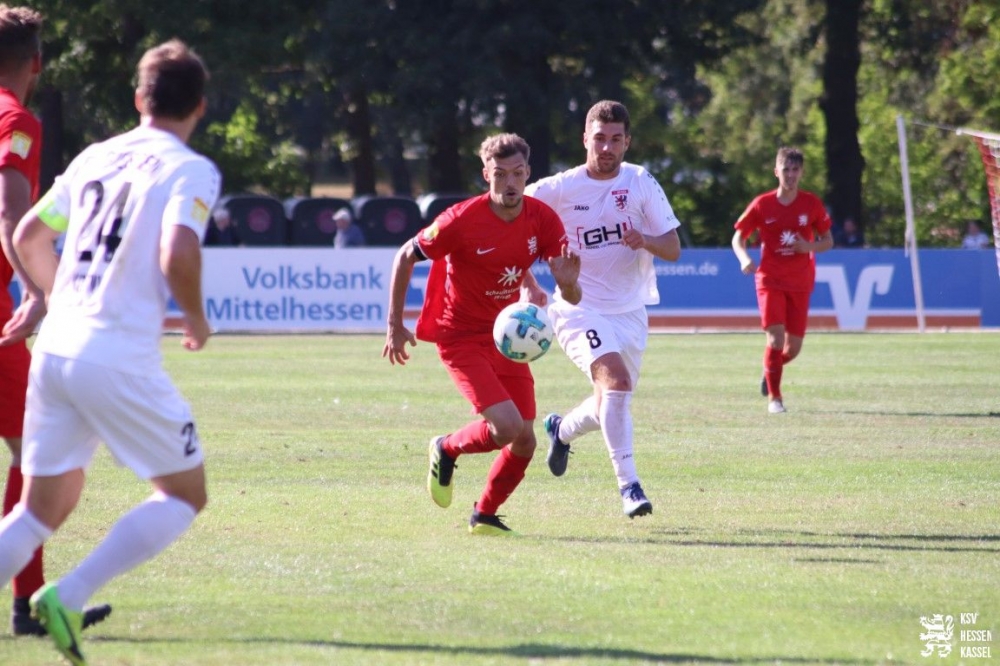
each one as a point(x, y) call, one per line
point(348, 233)
point(849, 235)
point(974, 238)
point(221, 231)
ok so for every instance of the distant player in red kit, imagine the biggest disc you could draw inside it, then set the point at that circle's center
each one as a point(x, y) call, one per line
point(483, 249)
point(793, 226)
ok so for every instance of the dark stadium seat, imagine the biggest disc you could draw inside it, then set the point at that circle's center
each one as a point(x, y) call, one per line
point(433, 204)
point(387, 220)
point(260, 219)
point(310, 219)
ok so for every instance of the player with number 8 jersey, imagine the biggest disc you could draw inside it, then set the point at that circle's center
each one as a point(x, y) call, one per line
point(617, 218)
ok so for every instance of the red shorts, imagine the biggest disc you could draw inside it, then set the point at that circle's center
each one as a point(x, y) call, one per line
point(14, 363)
point(790, 308)
point(487, 378)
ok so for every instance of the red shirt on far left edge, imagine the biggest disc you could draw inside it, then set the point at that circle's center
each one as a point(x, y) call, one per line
point(21, 149)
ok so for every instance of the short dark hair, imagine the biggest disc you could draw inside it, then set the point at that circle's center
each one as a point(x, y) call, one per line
point(503, 145)
point(609, 111)
point(788, 154)
point(20, 35)
point(172, 80)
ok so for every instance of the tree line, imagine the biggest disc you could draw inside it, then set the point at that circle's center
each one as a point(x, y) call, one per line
point(396, 95)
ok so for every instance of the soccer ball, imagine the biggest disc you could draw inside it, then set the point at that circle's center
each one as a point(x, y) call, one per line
point(522, 332)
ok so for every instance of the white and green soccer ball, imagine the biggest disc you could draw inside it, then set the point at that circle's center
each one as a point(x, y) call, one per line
point(522, 332)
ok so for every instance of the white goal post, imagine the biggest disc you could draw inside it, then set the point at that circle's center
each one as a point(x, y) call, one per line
point(989, 150)
point(910, 240)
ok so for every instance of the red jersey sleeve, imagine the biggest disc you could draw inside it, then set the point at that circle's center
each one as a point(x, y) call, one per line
point(751, 218)
point(21, 144)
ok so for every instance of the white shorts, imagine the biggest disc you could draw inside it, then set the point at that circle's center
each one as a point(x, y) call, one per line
point(74, 405)
point(586, 336)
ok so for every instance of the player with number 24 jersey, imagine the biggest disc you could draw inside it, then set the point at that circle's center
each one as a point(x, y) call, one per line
point(110, 297)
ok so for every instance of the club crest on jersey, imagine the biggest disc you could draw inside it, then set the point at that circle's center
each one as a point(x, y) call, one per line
point(621, 199)
point(20, 144)
point(510, 276)
point(533, 245)
point(803, 220)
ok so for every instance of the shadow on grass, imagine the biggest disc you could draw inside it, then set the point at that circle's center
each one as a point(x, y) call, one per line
point(950, 415)
point(943, 543)
point(521, 651)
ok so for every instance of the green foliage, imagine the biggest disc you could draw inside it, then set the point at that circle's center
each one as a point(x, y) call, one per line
point(251, 161)
point(715, 88)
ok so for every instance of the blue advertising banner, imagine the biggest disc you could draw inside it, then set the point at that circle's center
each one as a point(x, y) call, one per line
point(322, 289)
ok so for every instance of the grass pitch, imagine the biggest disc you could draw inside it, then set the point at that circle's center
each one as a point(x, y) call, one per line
point(823, 535)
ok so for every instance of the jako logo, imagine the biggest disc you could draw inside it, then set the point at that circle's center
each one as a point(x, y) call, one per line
point(852, 314)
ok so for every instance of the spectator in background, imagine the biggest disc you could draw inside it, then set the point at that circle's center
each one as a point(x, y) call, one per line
point(849, 235)
point(974, 238)
point(221, 231)
point(348, 233)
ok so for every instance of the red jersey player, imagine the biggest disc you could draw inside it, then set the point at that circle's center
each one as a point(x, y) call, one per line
point(20, 150)
point(483, 249)
point(793, 225)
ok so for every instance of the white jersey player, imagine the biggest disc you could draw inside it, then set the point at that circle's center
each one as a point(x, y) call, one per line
point(134, 209)
point(617, 219)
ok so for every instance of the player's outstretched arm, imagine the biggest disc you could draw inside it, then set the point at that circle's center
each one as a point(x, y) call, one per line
point(566, 271)
point(665, 246)
point(180, 261)
point(532, 292)
point(397, 336)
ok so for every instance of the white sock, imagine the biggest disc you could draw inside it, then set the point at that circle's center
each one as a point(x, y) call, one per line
point(137, 537)
point(580, 420)
point(20, 535)
point(616, 425)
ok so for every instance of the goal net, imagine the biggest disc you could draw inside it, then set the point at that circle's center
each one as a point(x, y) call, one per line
point(989, 150)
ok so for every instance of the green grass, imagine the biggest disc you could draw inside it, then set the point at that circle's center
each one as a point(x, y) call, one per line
point(818, 536)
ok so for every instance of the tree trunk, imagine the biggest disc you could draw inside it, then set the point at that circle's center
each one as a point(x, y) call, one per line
point(444, 161)
point(844, 161)
point(50, 104)
point(359, 128)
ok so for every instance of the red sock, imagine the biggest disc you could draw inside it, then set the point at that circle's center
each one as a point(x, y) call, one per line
point(473, 437)
point(505, 475)
point(773, 364)
point(31, 577)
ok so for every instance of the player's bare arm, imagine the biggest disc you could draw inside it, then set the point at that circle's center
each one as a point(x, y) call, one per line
point(666, 246)
point(180, 261)
point(532, 292)
point(747, 264)
point(33, 242)
point(822, 243)
point(566, 271)
point(397, 335)
point(15, 200)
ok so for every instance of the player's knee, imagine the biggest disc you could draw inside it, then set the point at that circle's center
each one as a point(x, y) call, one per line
point(196, 499)
point(506, 431)
point(523, 447)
